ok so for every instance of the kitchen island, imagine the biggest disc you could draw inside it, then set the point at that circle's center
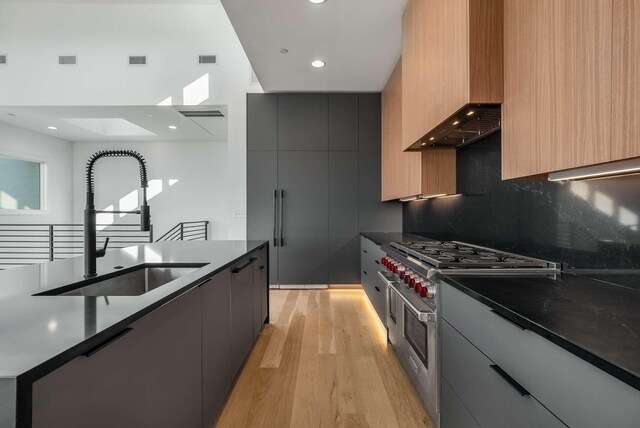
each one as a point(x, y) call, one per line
point(164, 357)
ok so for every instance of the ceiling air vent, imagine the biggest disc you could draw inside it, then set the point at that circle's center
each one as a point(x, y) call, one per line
point(3, 59)
point(68, 60)
point(206, 59)
point(137, 60)
point(201, 113)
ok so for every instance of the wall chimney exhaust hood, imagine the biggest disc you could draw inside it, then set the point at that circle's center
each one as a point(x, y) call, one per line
point(469, 124)
point(605, 170)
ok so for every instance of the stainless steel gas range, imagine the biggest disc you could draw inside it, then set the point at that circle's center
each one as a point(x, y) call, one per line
point(413, 272)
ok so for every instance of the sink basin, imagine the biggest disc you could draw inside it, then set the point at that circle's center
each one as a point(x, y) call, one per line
point(132, 282)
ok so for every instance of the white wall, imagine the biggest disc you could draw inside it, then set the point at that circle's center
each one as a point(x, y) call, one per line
point(58, 155)
point(103, 35)
point(186, 180)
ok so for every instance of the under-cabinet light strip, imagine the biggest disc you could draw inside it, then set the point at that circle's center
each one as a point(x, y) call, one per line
point(597, 171)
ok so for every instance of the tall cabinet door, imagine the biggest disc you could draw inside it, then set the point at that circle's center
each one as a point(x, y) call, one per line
point(262, 183)
point(303, 252)
point(344, 248)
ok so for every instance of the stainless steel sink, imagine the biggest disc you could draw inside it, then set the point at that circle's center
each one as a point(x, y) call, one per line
point(133, 282)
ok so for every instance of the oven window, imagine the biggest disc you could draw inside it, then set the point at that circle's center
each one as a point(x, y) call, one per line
point(417, 334)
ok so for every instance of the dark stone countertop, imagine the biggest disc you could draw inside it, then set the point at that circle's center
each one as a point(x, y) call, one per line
point(383, 238)
point(39, 333)
point(595, 320)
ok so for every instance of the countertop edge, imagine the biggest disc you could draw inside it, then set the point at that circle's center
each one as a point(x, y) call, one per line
point(614, 370)
point(64, 357)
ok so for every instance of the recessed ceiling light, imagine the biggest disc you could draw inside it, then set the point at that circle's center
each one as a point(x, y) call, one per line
point(149, 115)
point(424, 144)
point(317, 1)
point(284, 51)
point(173, 127)
point(456, 122)
point(53, 128)
point(470, 113)
point(432, 138)
point(318, 63)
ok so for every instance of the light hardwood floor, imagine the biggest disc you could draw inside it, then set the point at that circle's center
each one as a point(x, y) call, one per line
point(323, 362)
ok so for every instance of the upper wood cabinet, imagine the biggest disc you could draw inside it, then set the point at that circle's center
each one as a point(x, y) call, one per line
point(438, 172)
point(557, 108)
point(452, 57)
point(625, 128)
point(400, 170)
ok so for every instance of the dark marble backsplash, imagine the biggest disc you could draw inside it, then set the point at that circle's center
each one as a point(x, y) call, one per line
point(586, 225)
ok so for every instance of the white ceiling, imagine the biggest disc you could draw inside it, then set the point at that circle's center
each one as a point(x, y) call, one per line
point(360, 41)
point(118, 123)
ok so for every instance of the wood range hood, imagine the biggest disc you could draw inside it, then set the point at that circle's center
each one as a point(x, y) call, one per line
point(469, 124)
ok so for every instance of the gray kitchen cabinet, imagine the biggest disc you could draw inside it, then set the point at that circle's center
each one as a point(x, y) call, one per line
point(327, 168)
point(302, 122)
point(489, 393)
point(374, 216)
point(374, 287)
point(260, 291)
point(216, 338)
point(262, 121)
point(453, 413)
point(577, 392)
point(343, 122)
point(303, 249)
point(147, 375)
point(241, 312)
point(262, 182)
point(343, 218)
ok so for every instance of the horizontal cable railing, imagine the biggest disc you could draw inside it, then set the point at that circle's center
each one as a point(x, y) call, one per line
point(187, 231)
point(25, 244)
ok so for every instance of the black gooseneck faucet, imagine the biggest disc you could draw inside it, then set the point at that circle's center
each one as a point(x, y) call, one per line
point(91, 253)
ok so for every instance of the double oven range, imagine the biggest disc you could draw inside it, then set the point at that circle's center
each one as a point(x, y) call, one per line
point(413, 272)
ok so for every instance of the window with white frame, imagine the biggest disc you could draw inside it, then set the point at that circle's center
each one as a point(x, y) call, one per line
point(21, 184)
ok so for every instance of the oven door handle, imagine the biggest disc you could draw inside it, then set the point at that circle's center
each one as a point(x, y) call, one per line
point(424, 316)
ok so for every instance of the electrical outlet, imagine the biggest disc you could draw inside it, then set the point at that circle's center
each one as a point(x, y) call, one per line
point(239, 214)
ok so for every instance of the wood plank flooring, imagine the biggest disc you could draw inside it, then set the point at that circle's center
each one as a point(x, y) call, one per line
point(323, 362)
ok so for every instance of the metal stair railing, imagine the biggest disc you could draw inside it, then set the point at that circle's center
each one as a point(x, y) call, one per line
point(187, 231)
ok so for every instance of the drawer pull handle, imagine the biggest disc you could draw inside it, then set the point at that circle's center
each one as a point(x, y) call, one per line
point(365, 251)
point(511, 381)
point(238, 269)
point(364, 272)
point(377, 262)
point(377, 289)
point(261, 267)
point(510, 321)
point(107, 342)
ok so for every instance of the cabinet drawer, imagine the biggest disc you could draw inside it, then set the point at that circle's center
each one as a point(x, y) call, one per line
point(370, 266)
point(376, 292)
point(489, 396)
point(577, 392)
point(371, 248)
point(453, 413)
point(261, 256)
